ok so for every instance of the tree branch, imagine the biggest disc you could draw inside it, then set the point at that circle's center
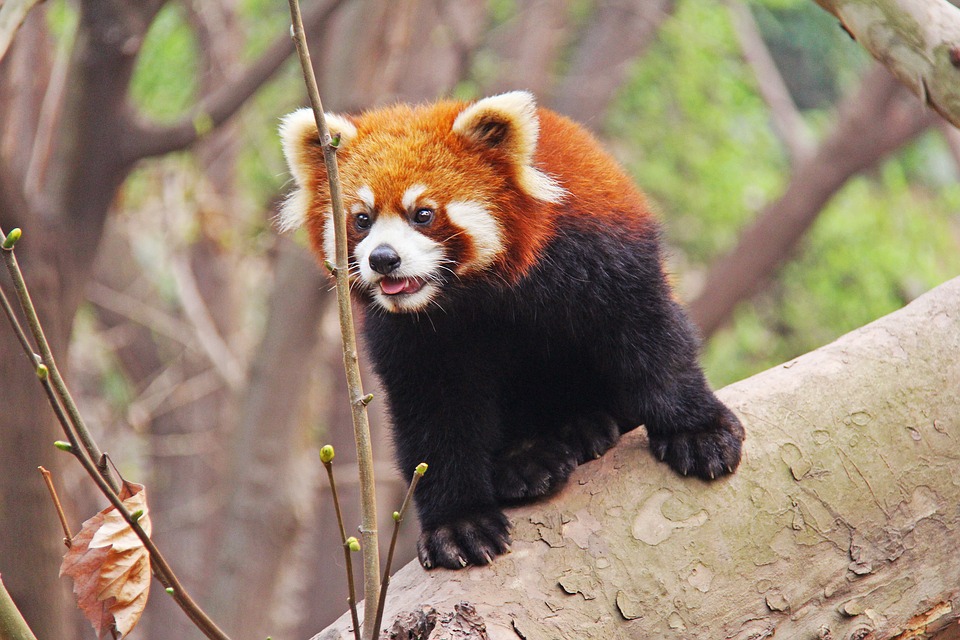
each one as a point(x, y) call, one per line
point(618, 32)
point(840, 523)
point(148, 140)
point(917, 40)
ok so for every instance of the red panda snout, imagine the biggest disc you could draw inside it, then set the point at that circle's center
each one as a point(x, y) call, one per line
point(400, 266)
point(384, 259)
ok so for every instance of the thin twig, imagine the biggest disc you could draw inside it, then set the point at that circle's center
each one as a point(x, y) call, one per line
point(361, 425)
point(12, 624)
point(46, 356)
point(69, 418)
point(48, 478)
point(397, 520)
point(326, 457)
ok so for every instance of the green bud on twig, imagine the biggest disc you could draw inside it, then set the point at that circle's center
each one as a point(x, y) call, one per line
point(330, 267)
point(421, 469)
point(353, 544)
point(335, 141)
point(63, 446)
point(42, 371)
point(396, 516)
point(136, 515)
point(12, 238)
point(326, 454)
point(169, 590)
point(367, 399)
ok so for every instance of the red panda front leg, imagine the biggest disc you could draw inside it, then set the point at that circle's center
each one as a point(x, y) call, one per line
point(443, 396)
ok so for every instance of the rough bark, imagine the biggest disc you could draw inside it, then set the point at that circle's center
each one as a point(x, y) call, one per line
point(917, 40)
point(842, 520)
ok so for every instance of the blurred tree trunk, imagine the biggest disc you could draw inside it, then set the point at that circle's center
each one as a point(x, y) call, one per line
point(840, 523)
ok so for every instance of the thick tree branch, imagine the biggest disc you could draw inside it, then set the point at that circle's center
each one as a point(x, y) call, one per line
point(917, 40)
point(147, 140)
point(841, 521)
point(872, 123)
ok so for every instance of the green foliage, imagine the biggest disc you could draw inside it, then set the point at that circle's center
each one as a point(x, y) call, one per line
point(693, 130)
point(164, 81)
point(698, 135)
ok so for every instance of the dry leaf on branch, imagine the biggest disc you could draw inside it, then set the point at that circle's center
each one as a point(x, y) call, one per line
point(110, 567)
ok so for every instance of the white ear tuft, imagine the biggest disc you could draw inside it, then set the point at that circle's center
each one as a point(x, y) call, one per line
point(509, 122)
point(301, 148)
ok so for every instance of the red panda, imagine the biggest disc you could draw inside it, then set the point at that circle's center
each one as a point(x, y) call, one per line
point(517, 309)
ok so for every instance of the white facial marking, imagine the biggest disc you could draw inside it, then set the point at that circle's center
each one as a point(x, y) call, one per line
point(420, 257)
point(483, 229)
point(410, 196)
point(365, 194)
point(293, 211)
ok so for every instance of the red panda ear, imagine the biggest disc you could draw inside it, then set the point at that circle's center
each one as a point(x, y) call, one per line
point(509, 123)
point(304, 155)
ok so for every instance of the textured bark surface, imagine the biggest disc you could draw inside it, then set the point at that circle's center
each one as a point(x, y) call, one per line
point(917, 40)
point(842, 521)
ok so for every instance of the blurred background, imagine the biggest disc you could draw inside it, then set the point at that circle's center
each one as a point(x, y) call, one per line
point(804, 193)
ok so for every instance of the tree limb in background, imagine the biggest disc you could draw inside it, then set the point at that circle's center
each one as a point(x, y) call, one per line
point(787, 121)
point(148, 140)
point(617, 34)
point(839, 523)
point(917, 40)
point(874, 121)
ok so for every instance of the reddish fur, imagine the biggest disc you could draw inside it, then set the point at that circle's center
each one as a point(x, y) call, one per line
point(402, 145)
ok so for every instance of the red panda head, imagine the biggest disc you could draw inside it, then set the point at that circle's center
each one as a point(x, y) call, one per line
point(432, 194)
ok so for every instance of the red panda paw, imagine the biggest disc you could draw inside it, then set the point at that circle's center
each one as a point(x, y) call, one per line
point(472, 540)
point(532, 469)
point(708, 453)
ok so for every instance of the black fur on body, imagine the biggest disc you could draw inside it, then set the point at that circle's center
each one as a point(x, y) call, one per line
point(504, 389)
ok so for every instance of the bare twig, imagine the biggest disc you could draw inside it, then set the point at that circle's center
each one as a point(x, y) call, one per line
point(86, 453)
point(47, 359)
point(12, 624)
point(361, 425)
point(326, 457)
point(397, 520)
point(48, 479)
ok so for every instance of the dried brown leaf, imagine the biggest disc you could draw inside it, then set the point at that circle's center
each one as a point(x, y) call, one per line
point(110, 567)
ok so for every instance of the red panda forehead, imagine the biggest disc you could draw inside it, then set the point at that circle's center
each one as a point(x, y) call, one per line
point(398, 147)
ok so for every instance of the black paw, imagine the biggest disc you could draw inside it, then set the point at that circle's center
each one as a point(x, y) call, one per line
point(709, 453)
point(533, 469)
point(472, 540)
point(591, 435)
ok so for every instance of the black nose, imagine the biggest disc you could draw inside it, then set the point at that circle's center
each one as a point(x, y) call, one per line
point(384, 259)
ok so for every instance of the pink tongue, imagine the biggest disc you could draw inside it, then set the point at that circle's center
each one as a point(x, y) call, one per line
point(391, 286)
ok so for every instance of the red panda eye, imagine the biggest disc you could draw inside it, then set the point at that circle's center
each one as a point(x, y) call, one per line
point(362, 222)
point(423, 216)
